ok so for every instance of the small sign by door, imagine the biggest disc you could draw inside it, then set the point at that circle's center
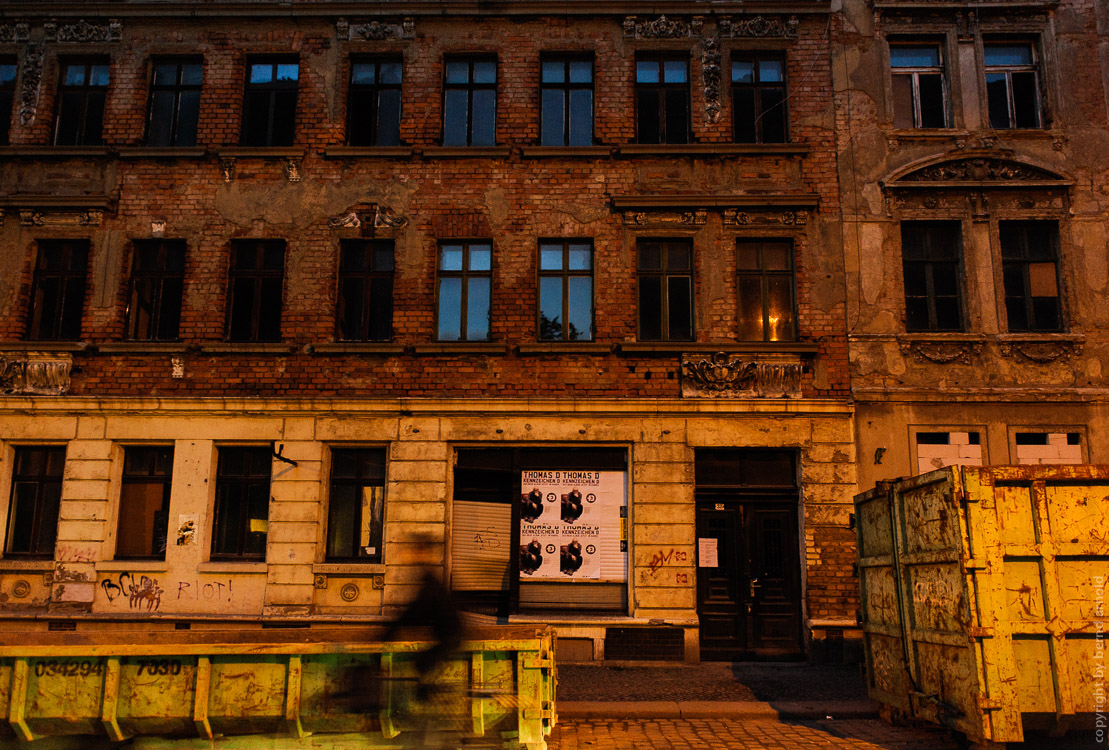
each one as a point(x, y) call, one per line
point(708, 552)
point(720, 506)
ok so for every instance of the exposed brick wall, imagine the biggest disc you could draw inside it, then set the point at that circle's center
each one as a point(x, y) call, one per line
point(513, 200)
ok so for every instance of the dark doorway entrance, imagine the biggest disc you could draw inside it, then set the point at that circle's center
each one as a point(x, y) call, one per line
point(748, 574)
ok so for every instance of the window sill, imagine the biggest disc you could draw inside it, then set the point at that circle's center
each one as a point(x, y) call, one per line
point(712, 149)
point(567, 152)
point(160, 152)
point(701, 200)
point(355, 348)
point(569, 347)
point(476, 347)
point(352, 569)
point(142, 347)
point(246, 348)
point(467, 152)
point(941, 336)
point(14, 565)
point(677, 347)
point(262, 152)
point(141, 565)
point(54, 152)
point(46, 346)
point(368, 152)
point(231, 567)
point(926, 134)
point(1046, 337)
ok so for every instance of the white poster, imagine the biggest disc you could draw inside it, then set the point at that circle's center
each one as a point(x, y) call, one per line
point(570, 523)
point(708, 552)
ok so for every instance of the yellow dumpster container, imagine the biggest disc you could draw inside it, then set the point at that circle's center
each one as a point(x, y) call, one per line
point(287, 689)
point(983, 596)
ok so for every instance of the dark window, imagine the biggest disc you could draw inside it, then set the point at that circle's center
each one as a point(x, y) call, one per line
point(81, 100)
point(58, 292)
point(567, 102)
point(373, 103)
point(174, 103)
point(919, 89)
point(662, 99)
point(465, 278)
point(759, 99)
point(270, 104)
point(36, 495)
point(470, 102)
point(1012, 85)
point(933, 287)
point(566, 291)
point(665, 290)
point(356, 506)
point(7, 97)
point(255, 286)
point(365, 300)
point(764, 287)
point(157, 281)
point(241, 518)
point(144, 502)
point(1030, 266)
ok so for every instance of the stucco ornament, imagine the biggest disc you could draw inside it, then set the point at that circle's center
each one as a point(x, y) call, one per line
point(1041, 352)
point(45, 375)
point(662, 27)
point(978, 169)
point(710, 74)
point(759, 27)
point(941, 352)
point(694, 218)
point(386, 217)
point(15, 32)
point(721, 375)
point(765, 218)
point(30, 78)
point(82, 32)
point(375, 31)
point(30, 217)
point(349, 220)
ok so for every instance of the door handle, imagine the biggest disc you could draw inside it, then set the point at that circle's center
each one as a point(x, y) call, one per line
point(752, 587)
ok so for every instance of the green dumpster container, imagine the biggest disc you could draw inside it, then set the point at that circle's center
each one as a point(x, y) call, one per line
point(284, 689)
point(982, 596)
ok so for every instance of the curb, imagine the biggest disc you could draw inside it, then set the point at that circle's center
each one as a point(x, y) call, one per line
point(778, 710)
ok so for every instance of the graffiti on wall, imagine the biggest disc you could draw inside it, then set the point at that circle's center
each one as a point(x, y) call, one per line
point(140, 592)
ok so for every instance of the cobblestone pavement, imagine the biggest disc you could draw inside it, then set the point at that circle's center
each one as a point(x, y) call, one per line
point(711, 681)
point(672, 734)
point(762, 734)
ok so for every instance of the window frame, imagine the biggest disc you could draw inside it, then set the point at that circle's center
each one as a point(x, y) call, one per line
point(272, 89)
point(243, 482)
point(1024, 263)
point(68, 317)
point(567, 87)
point(470, 86)
point(259, 275)
point(757, 86)
point(158, 277)
point(151, 478)
point(465, 274)
point(362, 480)
point(662, 57)
point(43, 481)
point(914, 73)
point(82, 134)
point(565, 274)
point(1008, 71)
point(374, 91)
point(924, 228)
point(7, 92)
point(178, 88)
point(665, 274)
point(369, 248)
point(764, 275)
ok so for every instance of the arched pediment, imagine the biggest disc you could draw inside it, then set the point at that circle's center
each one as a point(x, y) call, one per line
point(975, 170)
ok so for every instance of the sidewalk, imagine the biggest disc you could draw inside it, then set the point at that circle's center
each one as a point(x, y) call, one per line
point(713, 690)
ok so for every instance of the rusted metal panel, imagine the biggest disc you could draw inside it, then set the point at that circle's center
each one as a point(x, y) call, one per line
point(979, 588)
point(286, 688)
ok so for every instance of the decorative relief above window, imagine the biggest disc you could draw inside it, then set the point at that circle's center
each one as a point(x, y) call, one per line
point(695, 218)
point(35, 374)
point(942, 351)
point(745, 218)
point(721, 375)
point(760, 27)
point(374, 215)
point(1041, 352)
point(375, 30)
point(662, 27)
point(82, 31)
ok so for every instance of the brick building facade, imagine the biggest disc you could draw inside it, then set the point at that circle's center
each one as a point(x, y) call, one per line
point(289, 289)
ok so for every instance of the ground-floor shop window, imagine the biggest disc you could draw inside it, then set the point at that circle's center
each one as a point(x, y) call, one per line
point(540, 529)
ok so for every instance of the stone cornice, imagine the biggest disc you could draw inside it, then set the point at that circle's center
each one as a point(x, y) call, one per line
point(37, 9)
